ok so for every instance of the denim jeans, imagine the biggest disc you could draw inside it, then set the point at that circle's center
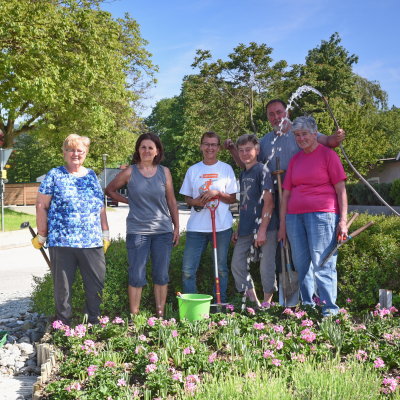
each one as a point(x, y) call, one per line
point(312, 236)
point(196, 243)
point(140, 247)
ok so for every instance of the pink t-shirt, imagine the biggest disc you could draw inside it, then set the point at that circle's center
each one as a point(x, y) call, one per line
point(311, 178)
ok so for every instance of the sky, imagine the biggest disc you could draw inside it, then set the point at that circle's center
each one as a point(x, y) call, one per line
point(175, 29)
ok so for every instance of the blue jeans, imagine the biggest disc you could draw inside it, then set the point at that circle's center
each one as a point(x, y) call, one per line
point(139, 249)
point(312, 236)
point(196, 243)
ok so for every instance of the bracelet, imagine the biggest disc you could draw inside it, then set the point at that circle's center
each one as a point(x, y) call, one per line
point(106, 235)
point(42, 239)
point(267, 215)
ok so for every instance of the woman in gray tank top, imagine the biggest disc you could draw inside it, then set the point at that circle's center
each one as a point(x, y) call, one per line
point(152, 222)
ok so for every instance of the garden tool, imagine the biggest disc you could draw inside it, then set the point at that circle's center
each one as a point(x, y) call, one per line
point(212, 205)
point(288, 278)
point(347, 238)
point(44, 254)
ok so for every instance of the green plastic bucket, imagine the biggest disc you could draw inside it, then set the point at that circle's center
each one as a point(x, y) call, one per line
point(194, 306)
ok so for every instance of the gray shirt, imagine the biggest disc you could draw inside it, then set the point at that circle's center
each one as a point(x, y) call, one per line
point(252, 184)
point(148, 208)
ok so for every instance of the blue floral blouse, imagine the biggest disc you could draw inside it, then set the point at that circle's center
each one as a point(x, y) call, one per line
point(74, 212)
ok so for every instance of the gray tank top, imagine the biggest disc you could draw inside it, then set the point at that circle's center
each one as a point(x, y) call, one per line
point(148, 209)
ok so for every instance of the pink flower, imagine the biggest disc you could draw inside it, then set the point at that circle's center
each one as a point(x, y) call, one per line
point(361, 355)
point(151, 321)
point(121, 382)
point(288, 311)
point(268, 354)
point(89, 347)
point(188, 350)
point(379, 363)
point(251, 375)
point(307, 322)
point(250, 310)
point(80, 330)
point(153, 358)
point(265, 304)
point(262, 337)
point(278, 328)
point(69, 332)
point(258, 325)
point(174, 333)
point(279, 344)
point(308, 335)
point(276, 362)
point(110, 364)
point(230, 307)
point(104, 320)
point(393, 309)
point(298, 357)
point(150, 368)
point(177, 376)
point(389, 385)
point(191, 383)
point(91, 369)
point(348, 300)
point(222, 322)
point(74, 386)
point(343, 311)
point(58, 324)
point(143, 338)
point(212, 357)
point(388, 336)
point(138, 349)
point(118, 320)
point(300, 314)
point(337, 321)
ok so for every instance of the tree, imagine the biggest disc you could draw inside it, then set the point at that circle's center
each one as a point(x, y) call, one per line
point(67, 67)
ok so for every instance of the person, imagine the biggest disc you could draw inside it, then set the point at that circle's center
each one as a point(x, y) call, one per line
point(71, 218)
point(280, 144)
point(255, 212)
point(152, 222)
point(203, 182)
point(313, 213)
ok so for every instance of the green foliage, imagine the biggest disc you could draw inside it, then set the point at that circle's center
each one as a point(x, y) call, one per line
point(370, 261)
point(395, 192)
point(14, 219)
point(69, 67)
point(360, 194)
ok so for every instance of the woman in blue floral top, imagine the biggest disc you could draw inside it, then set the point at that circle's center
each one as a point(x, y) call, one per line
point(71, 217)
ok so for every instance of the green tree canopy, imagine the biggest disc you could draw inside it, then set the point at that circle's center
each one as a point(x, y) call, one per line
point(68, 67)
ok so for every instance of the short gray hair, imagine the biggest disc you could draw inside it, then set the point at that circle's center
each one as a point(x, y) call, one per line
point(306, 124)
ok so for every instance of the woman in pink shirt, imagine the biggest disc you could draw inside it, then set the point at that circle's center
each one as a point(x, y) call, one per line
point(313, 214)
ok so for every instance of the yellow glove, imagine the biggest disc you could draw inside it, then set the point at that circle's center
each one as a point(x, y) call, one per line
point(106, 245)
point(38, 241)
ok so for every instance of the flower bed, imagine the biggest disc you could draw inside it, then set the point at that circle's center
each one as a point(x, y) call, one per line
point(272, 353)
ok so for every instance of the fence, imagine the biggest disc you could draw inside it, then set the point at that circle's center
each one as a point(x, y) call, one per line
point(20, 194)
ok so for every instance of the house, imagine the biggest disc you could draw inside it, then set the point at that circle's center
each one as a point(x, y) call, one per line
point(386, 172)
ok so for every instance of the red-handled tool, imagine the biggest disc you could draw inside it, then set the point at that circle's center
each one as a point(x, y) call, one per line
point(212, 205)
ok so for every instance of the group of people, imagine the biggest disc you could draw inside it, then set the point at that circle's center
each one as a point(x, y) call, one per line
point(71, 216)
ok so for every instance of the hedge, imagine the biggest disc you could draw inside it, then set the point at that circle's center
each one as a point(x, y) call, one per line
point(365, 264)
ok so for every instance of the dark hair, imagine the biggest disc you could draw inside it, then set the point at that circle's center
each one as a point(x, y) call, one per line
point(247, 138)
point(275, 101)
point(210, 135)
point(156, 140)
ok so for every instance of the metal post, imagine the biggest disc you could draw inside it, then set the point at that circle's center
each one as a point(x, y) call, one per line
point(385, 298)
point(104, 157)
point(2, 203)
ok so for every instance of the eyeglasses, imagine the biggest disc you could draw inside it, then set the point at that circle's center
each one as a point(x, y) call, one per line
point(212, 145)
point(79, 151)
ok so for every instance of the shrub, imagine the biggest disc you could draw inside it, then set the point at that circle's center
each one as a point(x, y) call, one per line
point(360, 194)
point(395, 192)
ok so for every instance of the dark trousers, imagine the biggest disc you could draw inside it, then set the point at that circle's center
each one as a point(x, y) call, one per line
point(92, 266)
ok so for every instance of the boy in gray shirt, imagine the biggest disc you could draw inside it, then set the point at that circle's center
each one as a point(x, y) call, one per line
point(255, 213)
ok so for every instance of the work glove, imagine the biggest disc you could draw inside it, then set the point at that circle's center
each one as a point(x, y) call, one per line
point(106, 241)
point(38, 241)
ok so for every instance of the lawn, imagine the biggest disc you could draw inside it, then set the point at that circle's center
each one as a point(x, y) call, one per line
point(14, 219)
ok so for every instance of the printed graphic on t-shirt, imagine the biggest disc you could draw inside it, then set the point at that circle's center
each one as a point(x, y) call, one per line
point(207, 184)
point(244, 193)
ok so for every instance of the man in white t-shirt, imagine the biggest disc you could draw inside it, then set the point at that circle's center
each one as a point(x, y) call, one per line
point(203, 182)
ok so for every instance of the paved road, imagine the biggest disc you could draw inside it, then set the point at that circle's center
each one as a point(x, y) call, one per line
point(19, 261)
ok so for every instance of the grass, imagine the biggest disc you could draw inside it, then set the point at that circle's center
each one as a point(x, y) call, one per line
point(14, 219)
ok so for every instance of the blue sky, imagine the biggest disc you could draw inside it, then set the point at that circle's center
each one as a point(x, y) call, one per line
point(176, 28)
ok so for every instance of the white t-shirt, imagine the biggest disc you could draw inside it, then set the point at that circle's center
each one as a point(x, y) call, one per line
point(200, 177)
